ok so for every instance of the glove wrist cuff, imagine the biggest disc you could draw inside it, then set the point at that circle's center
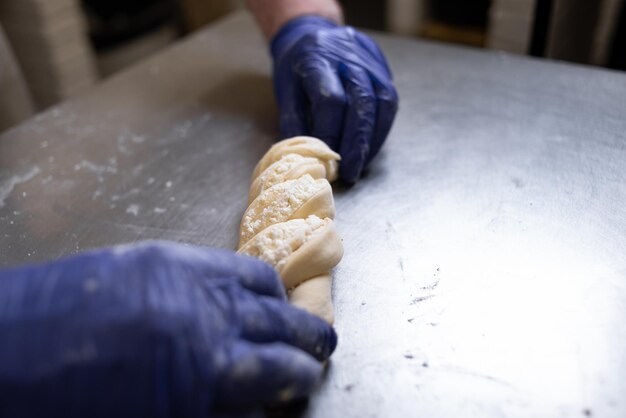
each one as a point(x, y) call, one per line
point(297, 27)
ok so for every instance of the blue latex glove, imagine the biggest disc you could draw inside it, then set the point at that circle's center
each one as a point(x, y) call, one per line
point(154, 330)
point(333, 82)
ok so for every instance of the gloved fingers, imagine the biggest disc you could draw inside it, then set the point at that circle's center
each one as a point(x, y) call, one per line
point(259, 277)
point(359, 122)
point(251, 273)
point(372, 47)
point(292, 105)
point(169, 260)
point(266, 320)
point(208, 263)
point(327, 99)
point(266, 373)
point(387, 100)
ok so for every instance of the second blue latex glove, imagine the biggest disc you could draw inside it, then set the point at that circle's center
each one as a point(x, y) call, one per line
point(153, 330)
point(333, 82)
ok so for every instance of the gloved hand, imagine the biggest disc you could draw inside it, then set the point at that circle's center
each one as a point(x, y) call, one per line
point(333, 82)
point(154, 330)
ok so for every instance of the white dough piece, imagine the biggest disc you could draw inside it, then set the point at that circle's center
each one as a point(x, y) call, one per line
point(289, 167)
point(314, 296)
point(298, 249)
point(289, 220)
point(305, 146)
point(277, 242)
point(291, 199)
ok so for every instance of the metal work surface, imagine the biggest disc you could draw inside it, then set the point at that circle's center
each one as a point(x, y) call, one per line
point(485, 265)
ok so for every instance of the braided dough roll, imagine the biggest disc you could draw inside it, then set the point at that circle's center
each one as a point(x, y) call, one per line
point(289, 220)
point(289, 167)
point(306, 146)
point(292, 199)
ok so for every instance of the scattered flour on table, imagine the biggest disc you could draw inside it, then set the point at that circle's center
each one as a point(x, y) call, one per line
point(133, 209)
point(7, 186)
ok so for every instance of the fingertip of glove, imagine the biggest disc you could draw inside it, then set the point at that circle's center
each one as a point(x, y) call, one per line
point(275, 284)
point(350, 172)
point(260, 277)
point(326, 344)
point(332, 342)
point(278, 289)
point(350, 179)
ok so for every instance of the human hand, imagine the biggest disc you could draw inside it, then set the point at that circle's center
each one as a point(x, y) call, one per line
point(333, 82)
point(157, 329)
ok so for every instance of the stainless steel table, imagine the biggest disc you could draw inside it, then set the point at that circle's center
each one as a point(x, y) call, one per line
point(485, 265)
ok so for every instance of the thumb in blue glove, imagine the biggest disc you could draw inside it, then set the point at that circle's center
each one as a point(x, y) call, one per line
point(158, 329)
point(333, 82)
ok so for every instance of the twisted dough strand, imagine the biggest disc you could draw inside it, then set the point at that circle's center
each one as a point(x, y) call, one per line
point(289, 220)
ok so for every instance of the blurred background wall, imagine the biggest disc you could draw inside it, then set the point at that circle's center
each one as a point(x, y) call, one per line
point(54, 49)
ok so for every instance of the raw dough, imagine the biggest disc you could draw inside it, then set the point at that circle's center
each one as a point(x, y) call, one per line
point(289, 223)
point(299, 249)
point(289, 167)
point(291, 199)
point(306, 146)
point(314, 296)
